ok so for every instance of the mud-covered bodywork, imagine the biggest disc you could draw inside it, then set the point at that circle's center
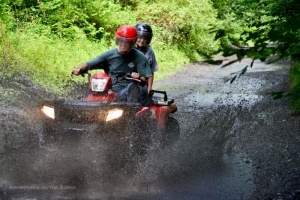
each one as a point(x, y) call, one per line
point(86, 116)
point(126, 124)
point(89, 112)
point(68, 121)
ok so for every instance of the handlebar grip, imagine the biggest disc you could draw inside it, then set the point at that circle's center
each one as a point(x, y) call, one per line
point(83, 71)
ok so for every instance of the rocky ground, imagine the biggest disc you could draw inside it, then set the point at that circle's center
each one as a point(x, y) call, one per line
point(236, 142)
point(262, 130)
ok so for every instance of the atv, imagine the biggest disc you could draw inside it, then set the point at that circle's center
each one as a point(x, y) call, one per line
point(125, 124)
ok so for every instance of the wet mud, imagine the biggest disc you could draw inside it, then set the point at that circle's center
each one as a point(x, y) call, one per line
point(235, 142)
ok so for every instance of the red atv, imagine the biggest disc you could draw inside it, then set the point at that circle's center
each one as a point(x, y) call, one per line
point(100, 115)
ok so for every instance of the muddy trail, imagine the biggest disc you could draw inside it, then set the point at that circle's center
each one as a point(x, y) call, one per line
point(235, 142)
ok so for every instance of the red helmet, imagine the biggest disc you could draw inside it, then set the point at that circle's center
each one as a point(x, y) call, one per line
point(126, 33)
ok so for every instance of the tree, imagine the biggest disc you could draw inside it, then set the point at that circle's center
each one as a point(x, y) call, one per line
point(268, 30)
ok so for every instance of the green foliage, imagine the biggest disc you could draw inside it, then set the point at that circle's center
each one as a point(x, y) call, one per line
point(7, 18)
point(171, 26)
point(266, 28)
point(169, 60)
point(70, 18)
point(294, 94)
point(48, 38)
point(48, 61)
point(100, 19)
point(261, 22)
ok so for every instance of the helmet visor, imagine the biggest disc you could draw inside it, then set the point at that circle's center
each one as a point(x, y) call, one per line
point(144, 35)
point(124, 44)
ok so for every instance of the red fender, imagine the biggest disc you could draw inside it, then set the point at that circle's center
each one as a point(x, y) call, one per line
point(159, 113)
point(101, 97)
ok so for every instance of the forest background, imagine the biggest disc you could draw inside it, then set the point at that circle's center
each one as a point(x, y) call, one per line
point(46, 39)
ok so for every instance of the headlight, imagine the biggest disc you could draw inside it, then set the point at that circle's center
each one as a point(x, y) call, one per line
point(114, 114)
point(48, 111)
point(98, 85)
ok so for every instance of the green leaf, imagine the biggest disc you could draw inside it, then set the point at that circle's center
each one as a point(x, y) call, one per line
point(219, 34)
point(233, 79)
point(243, 71)
point(231, 62)
point(251, 65)
point(277, 95)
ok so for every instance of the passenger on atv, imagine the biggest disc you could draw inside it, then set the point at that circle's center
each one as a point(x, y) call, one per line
point(124, 59)
point(143, 44)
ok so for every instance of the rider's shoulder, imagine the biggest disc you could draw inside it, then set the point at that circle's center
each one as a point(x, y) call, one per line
point(150, 50)
point(114, 50)
point(110, 51)
point(137, 52)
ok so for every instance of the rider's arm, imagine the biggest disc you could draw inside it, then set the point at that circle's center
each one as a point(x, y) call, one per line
point(150, 82)
point(144, 80)
point(100, 62)
point(79, 70)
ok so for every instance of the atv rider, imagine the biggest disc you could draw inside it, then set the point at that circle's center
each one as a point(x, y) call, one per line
point(143, 44)
point(123, 59)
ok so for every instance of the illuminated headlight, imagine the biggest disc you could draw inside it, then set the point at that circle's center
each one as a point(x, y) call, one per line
point(48, 111)
point(114, 114)
point(98, 85)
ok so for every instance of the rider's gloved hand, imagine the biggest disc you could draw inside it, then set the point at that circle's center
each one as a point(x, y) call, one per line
point(80, 70)
point(135, 75)
point(76, 72)
point(150, 93)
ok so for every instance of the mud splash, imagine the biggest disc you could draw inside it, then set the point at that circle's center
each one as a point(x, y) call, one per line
point(235, 143)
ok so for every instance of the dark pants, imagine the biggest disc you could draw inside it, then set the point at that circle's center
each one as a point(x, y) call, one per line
point(134, 93)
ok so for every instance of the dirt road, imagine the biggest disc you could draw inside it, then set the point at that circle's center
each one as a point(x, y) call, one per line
point(235, 143)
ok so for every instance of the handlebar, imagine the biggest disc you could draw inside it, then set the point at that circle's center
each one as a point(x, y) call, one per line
point(126, 76)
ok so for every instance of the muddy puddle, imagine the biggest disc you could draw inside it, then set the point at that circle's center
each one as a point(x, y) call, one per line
point(227, 132)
